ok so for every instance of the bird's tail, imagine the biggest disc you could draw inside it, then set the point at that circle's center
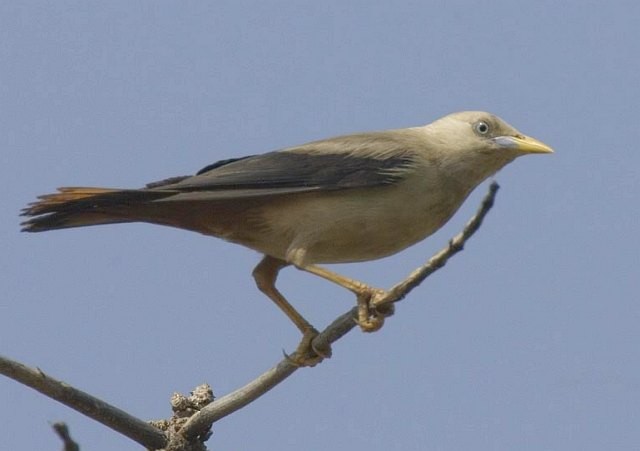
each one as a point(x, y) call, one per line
point(82, 206)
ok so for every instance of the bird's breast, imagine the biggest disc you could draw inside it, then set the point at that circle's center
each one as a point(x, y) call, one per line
point(359, 224)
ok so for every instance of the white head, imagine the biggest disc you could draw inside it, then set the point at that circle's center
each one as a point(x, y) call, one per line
point(473, 145)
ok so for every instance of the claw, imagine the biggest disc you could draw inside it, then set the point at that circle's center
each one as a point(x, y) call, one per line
point(306, 353)
point(372, 324)
point(370, 318)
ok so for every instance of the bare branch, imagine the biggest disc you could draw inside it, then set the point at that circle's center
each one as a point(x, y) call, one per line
point(90, 406)
point(228, 404)
point(63, 432)
point(239, 398)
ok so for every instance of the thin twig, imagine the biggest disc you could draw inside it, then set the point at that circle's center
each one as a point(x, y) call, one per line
point(63, 432)
point(90, 406)
point(226, 405)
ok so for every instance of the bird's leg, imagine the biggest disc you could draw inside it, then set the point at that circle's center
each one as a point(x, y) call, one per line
point(265, 275)
point(370, 318)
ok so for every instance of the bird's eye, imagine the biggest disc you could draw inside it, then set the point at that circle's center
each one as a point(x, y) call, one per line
point(482, 128)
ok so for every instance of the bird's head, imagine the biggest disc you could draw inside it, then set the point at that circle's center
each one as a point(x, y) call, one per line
point(477, 144)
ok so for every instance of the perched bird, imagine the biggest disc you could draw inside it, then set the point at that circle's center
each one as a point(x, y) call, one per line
point(346, 199)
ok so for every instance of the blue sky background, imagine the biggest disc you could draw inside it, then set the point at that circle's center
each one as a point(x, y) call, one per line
point(527, 340)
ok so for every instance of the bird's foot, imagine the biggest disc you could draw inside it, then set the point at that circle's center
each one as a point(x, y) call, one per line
point(310, 351)
point(371, 318)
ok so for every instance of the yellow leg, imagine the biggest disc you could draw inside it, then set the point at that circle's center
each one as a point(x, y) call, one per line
point(352, 285)
point(265, 275)
point(369, 319)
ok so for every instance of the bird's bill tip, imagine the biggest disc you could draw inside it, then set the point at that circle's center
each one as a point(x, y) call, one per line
point(524, 144)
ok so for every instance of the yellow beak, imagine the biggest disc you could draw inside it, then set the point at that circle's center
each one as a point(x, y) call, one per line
point(524, 144)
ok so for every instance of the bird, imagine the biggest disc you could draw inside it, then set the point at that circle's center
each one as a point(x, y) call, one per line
point(346, 199)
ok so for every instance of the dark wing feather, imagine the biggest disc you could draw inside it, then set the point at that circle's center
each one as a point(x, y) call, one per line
point(326, 165)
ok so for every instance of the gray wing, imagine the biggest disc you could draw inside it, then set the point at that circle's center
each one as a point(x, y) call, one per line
point(354, 161)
